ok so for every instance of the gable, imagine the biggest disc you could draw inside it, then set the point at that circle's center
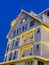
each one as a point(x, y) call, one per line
point(24, 19)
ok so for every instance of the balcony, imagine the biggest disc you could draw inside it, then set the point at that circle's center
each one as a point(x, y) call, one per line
point(26, 51)
point(27, 38)
point(25, 42)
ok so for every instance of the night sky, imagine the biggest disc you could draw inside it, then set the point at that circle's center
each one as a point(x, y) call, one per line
point(9, 9)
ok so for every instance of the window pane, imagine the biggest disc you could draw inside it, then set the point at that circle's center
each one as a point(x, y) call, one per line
point(31, 63)
point(31, 23)
point(38, 30)
point(10, 56)
point(47, 13)
point(40, 63)
point(23, 28)
point(37, 46)
point(14, 55)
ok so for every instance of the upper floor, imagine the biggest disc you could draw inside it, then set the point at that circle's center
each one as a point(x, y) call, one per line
point(27, 30)
point(26, 21)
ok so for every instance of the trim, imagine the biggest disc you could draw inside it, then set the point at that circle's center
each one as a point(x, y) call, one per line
point(45, 28)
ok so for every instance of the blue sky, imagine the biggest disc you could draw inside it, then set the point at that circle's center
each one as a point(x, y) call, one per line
point(9, 9)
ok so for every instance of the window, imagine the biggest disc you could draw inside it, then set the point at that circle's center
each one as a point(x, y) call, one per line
point(30, 51)
point(20, 30)
point(29, 63)
point(12, 43)
point(37, 46)
point(7, 47)
point(32, 36)
point(47, 13)
point(27, 37)
point(11, 64)
point(24, 19)
point(23, 54)
point(17, 31)
point(21, 21)
point(16, 43)
point(14, 33)
point(10, 56)
point(40, 63)
point(38, 30)
point(14, 55)
point(23, 28)
point(32, 23)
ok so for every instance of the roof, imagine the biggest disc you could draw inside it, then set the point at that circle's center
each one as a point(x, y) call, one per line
point(34, 17)
point(44, 11)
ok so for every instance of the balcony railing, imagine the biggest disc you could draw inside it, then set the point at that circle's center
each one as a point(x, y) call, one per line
point(24, 42)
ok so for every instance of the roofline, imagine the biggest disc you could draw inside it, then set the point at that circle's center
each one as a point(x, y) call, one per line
point(43, 11)
point(39, 20)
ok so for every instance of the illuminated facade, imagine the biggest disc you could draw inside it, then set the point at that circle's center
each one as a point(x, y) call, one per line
point(28, 40)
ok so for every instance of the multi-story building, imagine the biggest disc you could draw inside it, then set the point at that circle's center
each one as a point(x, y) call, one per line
point(28, 39)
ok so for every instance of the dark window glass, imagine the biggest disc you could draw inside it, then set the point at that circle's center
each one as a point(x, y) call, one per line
point(23, 28)
point(17, 31)
point(28, 63)
point(11, 64)
point(37, 46)
point(7, 47)
point(47, 13)
point(31, 62)
point(10, 56)
point(14, 55)
point(40, 63)
point(31, 51)
point(38, 30)
point(32, 23)
point(16, 43)
point(21, 21)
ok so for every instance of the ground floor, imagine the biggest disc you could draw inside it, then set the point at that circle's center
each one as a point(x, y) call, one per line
point(27, 61)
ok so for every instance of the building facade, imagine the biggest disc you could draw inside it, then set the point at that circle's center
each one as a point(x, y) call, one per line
point(28, 39)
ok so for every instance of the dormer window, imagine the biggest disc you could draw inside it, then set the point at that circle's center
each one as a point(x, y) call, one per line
point(32, 23)
point(23, 19)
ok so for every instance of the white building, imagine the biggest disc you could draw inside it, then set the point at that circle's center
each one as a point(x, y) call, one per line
point(28, 39)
